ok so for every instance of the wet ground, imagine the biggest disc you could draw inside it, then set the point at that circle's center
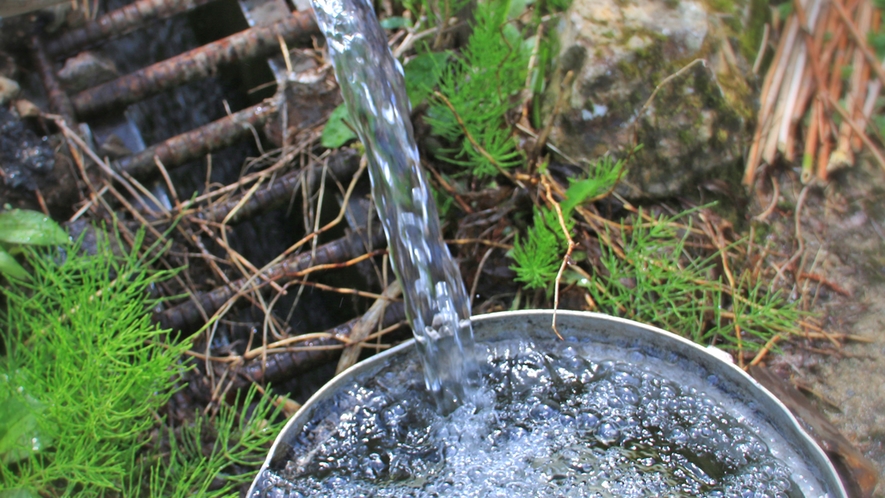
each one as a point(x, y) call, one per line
point(843, 229)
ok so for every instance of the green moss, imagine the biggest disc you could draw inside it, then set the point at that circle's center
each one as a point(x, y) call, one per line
point(751, 36)
point(723, 6)
point(629, 69)
point(628, 33)
point(745, 21)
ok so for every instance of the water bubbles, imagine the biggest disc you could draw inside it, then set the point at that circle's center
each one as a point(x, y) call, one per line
point(554, 424)
point(542, 411)
point(608, 433)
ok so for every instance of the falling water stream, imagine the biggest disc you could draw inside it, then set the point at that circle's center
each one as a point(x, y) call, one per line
point(437, 305)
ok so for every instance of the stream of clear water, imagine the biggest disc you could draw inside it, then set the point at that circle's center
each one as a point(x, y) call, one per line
point(437, 305)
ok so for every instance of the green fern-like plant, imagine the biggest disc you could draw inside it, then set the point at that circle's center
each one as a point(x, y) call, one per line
point(79, 346)
point(539, 254)
point(480, 83)
point(208, 451)
point(654, 281)
point(84, 376)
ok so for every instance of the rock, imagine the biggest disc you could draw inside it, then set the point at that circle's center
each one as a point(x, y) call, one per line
point(26, 109)
point(9, 8)
point(620, 50)
point(8, 90)
point(29, 169)
point(310, 96)
point(86, 70)
point(23, 155)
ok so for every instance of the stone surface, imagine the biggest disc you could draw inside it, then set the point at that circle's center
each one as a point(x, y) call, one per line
point(8, 90)
point(87, 69)
point(310, 95)
point(23, 155)
point(620, 50)
point(28, 163)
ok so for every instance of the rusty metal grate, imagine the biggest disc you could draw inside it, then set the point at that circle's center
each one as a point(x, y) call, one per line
point(138, 181)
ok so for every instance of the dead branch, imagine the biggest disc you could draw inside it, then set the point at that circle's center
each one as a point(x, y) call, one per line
point(310, 353)
point(185, 315)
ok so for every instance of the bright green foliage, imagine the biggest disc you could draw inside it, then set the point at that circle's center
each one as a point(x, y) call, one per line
point(606, 173)
point(21, 227)
point(422, 73)
point(233, 438)
point(539, 255)
point(655, 282)
point(759, 314)
point(480, 83)
point(30, 227)
point(77, 341)
point(84, 376)
point(649, 286)
point(336, 132)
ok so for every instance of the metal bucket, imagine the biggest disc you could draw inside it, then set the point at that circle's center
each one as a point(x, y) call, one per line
point(706, 371)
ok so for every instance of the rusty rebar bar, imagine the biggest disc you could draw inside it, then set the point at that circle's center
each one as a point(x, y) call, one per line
point(343, 164)
point(183, 316)
point(198, 142)
point(117, 23)
point(195, 64)
point(10, 8)
point(282, 366)
point(59, 102)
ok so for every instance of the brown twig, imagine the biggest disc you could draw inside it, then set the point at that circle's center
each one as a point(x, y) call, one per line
point(764, 351)
point(770, 90)
point(775, 198)
point(866, 140)
point(859, 40)
point(364, 325)
point(566, 259)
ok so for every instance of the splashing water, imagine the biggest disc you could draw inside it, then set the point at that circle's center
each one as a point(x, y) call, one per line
point(566, 419)
point(372, 84)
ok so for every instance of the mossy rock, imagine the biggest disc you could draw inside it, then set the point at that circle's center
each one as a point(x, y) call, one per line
point(695, 128)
